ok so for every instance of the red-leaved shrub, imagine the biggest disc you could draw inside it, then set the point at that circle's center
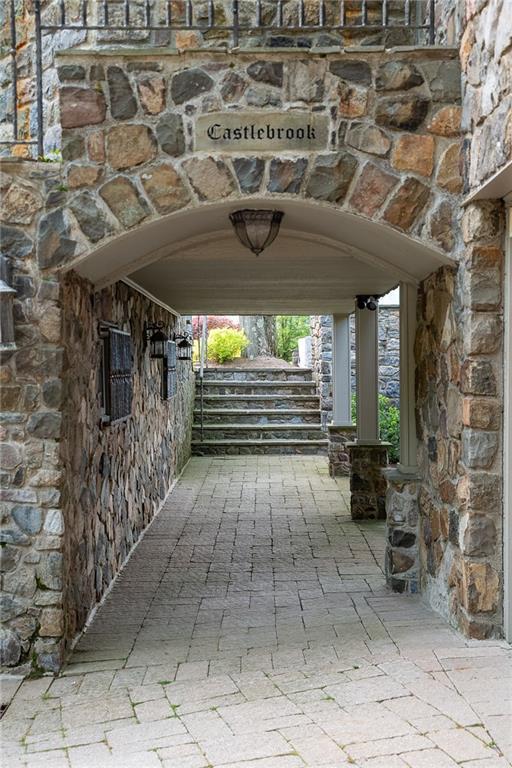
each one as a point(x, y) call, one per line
point(214, 321)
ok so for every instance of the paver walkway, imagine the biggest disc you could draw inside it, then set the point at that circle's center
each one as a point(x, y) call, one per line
point(252, 628)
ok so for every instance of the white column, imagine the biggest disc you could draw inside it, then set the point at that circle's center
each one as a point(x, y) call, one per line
point(367, 375)
point(507, 427)
point(341, 385)
point(408, 459)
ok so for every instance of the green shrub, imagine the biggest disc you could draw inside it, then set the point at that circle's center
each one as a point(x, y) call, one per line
point(389, 417)
point(226, 344)
point(290, 328)
point(389, 422)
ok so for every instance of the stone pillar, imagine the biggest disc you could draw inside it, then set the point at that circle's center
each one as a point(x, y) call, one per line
point(341, 431)
point(321, 363)
point(408, 459)
point(367, 480)
point(339, 452)
point(368, 456)
point(402, 515)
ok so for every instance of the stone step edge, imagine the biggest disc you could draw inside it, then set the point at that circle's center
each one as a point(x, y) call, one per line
point(260, 442)
point(257, 411)
point(233, 383)
point(249, 396)
point(257, 370)
point(245, 426)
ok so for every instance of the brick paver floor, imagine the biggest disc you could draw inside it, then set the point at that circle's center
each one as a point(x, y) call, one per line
point(252, 628)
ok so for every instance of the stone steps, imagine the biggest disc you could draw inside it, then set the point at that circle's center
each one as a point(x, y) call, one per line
point(258, 447)
point(285, 431)
point(259, 416)
point(226, 387)
point(255, 402)
point(264, 411)
point(257, 374)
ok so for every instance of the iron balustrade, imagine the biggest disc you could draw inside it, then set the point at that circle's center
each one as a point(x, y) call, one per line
point(236, 19)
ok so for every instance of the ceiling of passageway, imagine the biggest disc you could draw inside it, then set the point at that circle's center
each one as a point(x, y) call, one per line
point(193, 262)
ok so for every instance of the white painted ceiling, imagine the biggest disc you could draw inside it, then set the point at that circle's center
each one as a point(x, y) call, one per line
point(193, 263)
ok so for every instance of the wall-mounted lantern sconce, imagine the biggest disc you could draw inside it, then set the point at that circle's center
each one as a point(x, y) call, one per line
point(256, 229)
point(184, 343)
point(364, 301)
point(183, 347)
point(157, 340)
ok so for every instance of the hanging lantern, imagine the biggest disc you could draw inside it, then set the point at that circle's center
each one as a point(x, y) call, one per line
point(184, 348)
point(157, 341)
point(256, 229)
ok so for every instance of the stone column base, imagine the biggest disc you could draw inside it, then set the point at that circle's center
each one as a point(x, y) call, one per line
point(402, 552)
point(367, 482)
point(339, 458)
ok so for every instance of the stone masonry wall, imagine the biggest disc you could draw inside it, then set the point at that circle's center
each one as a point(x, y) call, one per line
point(459, 402)
point(129, 132)
point(52, 521)
point(389, 357)
point(31, 391)
point(162, 39)
point(460, 356)
point(486, 60)
point(115, 477)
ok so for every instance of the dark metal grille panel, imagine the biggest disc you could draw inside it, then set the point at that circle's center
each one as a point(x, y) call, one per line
point(120, 375)
point(170, 376)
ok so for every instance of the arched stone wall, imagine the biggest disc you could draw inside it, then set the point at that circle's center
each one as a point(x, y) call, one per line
point(129, 157)
point(131, 131)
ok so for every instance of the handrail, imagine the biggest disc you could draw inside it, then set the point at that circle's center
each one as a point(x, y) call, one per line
point(202, 359)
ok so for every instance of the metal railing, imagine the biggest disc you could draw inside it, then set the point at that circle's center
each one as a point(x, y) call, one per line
point(234, 21)
point(203, 360)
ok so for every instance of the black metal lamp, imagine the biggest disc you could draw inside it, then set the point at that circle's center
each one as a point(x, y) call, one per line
point(185, 343)
point(364, 301)
point(256, 229)
point(183, 347)
point(157, 340)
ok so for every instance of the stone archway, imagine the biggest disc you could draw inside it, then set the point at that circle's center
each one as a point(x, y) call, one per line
point(132, 166)
point(136, 149)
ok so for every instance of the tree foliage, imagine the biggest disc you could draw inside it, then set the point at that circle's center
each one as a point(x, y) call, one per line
point(290, 328)
point(213, 322)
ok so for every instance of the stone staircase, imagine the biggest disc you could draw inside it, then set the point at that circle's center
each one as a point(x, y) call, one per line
point(257, 411)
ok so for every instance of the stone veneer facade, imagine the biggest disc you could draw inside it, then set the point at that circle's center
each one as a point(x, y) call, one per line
point(389, 357)
point(115, 477)
point(75, 496)
point(459, 404)
point(128, 151)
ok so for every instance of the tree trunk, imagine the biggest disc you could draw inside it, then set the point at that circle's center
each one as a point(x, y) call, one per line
point(261, 332)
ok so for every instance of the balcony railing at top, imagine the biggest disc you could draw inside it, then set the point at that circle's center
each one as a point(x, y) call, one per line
point(233, 24)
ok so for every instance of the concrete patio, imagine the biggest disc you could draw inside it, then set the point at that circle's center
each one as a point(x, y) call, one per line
point(252, 627)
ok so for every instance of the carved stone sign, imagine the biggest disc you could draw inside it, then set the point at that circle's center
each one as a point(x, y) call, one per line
point(261, 132)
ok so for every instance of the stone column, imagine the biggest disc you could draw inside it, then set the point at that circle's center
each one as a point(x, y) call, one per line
point(402, 561)
point(341, 431)
point(321, 363)
point(408, 459)
point(368, 455)
point(402, 511)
